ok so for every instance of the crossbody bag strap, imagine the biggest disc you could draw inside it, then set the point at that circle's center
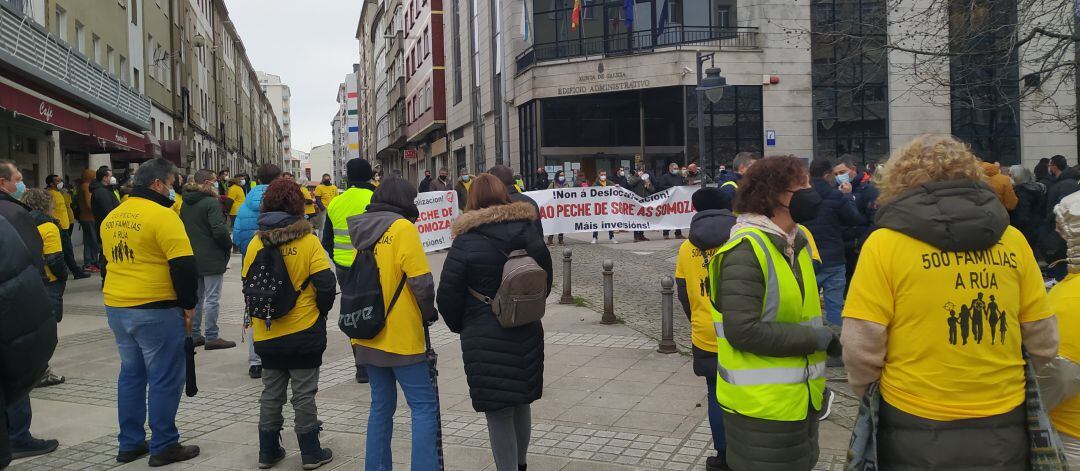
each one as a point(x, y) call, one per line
point(393, 301)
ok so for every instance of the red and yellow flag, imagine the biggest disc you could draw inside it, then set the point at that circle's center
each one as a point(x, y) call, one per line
point(575, 17)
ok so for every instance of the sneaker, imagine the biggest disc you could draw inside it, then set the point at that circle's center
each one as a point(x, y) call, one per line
point(613, 240)
point(826, 405)
point(716, 463)
point(255, 372)
point(679, 236)
point(80, 275)
point(33, 447)
point(593, 240)
point(50, 379)
point(666, 237)
point(198, 340)
point(92, 269)
point(644, 239)
point(129, 456)
point(219, 344)
point(174, 454)
point(361, 375)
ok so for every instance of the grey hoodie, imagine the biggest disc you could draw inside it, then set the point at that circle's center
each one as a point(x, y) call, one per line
point(365, 230)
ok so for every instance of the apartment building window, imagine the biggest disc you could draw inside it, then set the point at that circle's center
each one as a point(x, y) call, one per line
point(161, 132)
point(427, 43)
point(136, 77)
point(134, 12)
point(80, 38)
point(109, 60)
point(153, 124)
point(61, 23)
point(455, 33)
point(123, 69)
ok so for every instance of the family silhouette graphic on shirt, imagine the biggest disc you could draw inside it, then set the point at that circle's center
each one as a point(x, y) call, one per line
point(969, 321)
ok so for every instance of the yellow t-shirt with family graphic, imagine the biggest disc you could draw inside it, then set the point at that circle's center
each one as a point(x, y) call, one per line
point(303, 257)
point(399, 251)
point(1064, 302)
point(138, 239)
point(693, 266)
point(953, 322)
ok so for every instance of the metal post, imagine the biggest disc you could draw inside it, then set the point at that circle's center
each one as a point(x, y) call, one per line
point(609, 295)
point(567, 255)
point(667, 327)
point(701, 121)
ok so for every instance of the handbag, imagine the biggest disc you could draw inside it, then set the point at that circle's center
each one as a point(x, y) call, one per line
point(862, 449)
point(1047, 452)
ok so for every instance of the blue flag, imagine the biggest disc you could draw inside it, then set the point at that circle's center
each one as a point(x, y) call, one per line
point(628, 13)
point(663, 20)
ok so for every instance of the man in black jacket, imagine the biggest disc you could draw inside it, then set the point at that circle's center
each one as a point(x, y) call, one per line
point(836, 214)
point(671, 179)
point(150, 295)
point(27, 323)
point(425, 184)
point(102, 201)
point(1063, 183)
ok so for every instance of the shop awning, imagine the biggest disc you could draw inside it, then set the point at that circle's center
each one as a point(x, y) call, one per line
point(95, 133)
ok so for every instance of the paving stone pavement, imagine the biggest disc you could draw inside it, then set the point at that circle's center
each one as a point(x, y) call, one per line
point(611, 402)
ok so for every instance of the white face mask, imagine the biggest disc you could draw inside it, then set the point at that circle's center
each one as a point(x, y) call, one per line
point(60, 186)
point(603, 178)
point(112, 180)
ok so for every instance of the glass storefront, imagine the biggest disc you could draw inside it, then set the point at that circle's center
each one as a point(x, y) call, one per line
point(732, 125)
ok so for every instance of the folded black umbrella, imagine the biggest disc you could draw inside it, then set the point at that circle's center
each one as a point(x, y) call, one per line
point(191, 389)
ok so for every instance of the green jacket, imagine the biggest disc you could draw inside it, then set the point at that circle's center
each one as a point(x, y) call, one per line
point(758, 444)
point(206, 227)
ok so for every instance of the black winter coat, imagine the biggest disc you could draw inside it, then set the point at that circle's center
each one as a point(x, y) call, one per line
point(1051, 245)
point(102, 202)
point(1030, 210)
point(669, 180)
point(207, 229)
point(836, 214)
point(27, 323)
point(504, 367)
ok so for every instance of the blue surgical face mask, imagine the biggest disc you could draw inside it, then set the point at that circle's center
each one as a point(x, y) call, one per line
point(464, 178)
point(20, 188)
point(843, 178)
point(172, 195)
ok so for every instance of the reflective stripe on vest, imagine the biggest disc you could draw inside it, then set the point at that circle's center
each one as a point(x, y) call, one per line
point(348, 204)
point(759, 386)
point(730, 183)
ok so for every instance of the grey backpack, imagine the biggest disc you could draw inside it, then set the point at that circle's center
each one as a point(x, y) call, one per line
point(522, 295)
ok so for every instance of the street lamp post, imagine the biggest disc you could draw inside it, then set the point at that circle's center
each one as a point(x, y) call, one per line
point(710, 86)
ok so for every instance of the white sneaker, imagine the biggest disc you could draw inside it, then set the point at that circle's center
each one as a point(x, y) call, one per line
point(593, 240)
point(826, 404)
point(614, 240)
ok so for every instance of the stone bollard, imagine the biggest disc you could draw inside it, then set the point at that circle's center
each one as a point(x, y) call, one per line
point(567, 255)
point(667, 323)
point(609, 295)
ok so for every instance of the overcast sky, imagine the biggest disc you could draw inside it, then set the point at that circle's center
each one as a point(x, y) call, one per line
point(311, 45)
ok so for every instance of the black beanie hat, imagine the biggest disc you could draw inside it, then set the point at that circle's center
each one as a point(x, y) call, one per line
point(358, 170)
point(710, 198)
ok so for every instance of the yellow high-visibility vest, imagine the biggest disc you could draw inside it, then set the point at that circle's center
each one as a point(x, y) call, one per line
point(764, 387)
point(350, 203)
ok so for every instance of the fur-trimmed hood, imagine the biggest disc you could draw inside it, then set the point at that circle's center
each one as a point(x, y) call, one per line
point(196, 187)
point(493, 214)
point(275, 231)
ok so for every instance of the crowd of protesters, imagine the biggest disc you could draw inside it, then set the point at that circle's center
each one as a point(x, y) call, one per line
point(923, 276)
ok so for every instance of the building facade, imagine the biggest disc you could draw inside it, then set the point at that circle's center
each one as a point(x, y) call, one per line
point(321, 161)
point(279, 96)
point(525, 86)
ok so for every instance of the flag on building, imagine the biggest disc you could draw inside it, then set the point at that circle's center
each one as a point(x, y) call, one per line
point(628, 13)
point(663, 20)
point(575, 17)
point(526, 19)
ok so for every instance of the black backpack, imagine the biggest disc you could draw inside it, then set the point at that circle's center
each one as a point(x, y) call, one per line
point(268, 289)
point(363, 315)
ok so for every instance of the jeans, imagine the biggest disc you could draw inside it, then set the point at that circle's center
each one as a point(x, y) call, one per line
point(151, 344)
point(832, 281)
point(69, 253)
point(420, 394)
point(716, 418)
point(55, 289)
point(509, 430)
point(90, 248)
point(19, 416)
point(305, 384)
point(209, 302)
point(253, 358)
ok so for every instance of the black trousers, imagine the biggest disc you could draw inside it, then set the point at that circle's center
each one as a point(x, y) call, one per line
point(69, 253)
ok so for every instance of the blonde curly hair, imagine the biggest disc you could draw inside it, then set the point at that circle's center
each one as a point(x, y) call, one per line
point(38, 199)
point(926, 159)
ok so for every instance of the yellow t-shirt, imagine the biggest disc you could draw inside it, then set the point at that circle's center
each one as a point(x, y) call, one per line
point(1064, 302)
point(309, 208)
point(303, 257)
point(953, 322)
point(60, 209)
point(326, 193)
point(693, 266)
point(236, 194)
point(398, 252)
point(179, 203)
point(50, 238)
point(138, 239)
point(67, 207)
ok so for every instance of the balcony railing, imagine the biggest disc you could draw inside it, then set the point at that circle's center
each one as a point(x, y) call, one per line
point(634, 42)
point(24, 44)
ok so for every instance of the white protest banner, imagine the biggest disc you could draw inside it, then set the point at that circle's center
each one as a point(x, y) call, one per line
point(613, 208)
point(438, 209)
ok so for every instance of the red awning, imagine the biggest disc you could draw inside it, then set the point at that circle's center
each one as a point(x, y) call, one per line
point(44, 109)
point(116, 134)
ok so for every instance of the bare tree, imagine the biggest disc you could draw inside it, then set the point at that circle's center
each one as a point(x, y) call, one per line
point(988, 57)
